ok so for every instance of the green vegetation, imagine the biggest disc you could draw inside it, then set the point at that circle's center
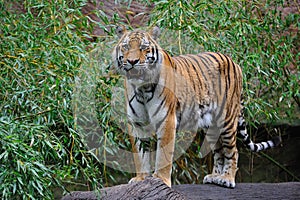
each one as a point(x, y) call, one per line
point(42, 49)
point(48, 58)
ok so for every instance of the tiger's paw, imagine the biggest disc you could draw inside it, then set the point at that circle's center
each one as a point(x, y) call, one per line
point(221, 180)
point(165, 180)
point(210, 178)
point(225, 181)
point(140, 177)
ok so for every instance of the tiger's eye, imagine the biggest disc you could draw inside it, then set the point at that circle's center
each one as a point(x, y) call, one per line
point(144, 47)
point(125, 46)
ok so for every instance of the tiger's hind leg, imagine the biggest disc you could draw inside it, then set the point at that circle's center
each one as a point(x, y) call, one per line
point(225, 158)
point(217, 168)
point(230, 154)
point(212, 142)
point(227, 178)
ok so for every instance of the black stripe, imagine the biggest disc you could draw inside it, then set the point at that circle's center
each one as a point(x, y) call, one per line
point(235, 81)
point(218, 150)
point(234, 66)
point(222, 107)
point(200, 66)
point(246, 139)
point(117, 53)
point(228, 146)
point(229, 158)
point(163, 119)
point(255, 147)
point(156, 52)
point(178, 116)
point(229, 123)
point(222, 56)
point(224, 98)
point(207, 64)
point(235, 76)
point(228, 71)
point(220, 71)
point(197, 72)
point(230, 117)
point(159, 107)
point(133, 111)
point(119, 61)
point(169, 58)
point(152, 50)
point(241, 126)
point(229, 137)
point(140, 101)
point(186, 64)
point(138, 124)
point(152, 90)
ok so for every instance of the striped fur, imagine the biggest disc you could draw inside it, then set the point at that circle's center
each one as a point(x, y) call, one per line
point(167, 94)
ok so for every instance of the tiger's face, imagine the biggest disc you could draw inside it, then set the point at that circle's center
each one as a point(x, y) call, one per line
point(137, 57)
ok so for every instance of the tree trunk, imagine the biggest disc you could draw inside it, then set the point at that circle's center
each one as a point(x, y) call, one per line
point(149, 189)
point(153, 188)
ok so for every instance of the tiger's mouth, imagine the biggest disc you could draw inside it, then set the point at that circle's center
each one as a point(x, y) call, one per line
point(134, 73)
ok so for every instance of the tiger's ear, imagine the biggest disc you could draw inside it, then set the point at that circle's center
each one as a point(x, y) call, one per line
point(120, 30)
point(155, 32)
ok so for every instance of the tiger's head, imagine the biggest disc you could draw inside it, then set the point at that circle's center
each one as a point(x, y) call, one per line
point(137, 55)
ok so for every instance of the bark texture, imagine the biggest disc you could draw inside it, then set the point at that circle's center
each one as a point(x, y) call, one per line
point(153, 188)
point(149, 189)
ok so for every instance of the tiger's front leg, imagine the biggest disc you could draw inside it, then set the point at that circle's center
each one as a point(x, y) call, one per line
point(141, 155)
point(165, 149)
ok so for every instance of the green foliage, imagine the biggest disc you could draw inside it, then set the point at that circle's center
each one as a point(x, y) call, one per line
point(43, 45)
point(26, 148)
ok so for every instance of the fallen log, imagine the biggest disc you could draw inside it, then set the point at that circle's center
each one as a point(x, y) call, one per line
point(242, 191)
point(149, 189)
point(153, 188)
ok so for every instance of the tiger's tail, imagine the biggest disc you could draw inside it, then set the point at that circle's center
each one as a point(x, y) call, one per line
point(256, 147)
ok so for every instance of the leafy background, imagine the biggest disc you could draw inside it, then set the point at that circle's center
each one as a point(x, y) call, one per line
point(46, 45)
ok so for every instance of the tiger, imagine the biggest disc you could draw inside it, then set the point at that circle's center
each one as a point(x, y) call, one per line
point(166, 94)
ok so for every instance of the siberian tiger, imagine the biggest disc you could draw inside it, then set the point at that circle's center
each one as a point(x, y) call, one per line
point(166, 94)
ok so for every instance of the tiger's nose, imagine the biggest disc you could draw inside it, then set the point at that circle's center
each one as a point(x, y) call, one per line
point(133, 62)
